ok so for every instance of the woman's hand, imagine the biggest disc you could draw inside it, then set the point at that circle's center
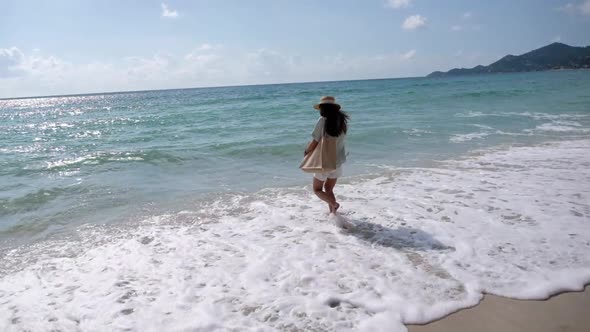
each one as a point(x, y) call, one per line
point(310, 147)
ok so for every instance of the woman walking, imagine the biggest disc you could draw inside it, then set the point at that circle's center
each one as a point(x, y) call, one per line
point(332, 122)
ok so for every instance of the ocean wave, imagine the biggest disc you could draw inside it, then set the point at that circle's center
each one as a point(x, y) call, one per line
point(428, 241)
point(34, 200)
point(100, 158)
point(40, 160)
point(87, 134)
point(491, 93)
point(507, 133)
point(533, 115)
point(417, 132)
point(432, 83)
point(482, 126)
point(23, 149)
point(257, 148)
point(562, 126)
point(458, 138)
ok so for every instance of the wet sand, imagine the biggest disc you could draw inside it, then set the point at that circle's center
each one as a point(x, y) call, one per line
point(566, 312)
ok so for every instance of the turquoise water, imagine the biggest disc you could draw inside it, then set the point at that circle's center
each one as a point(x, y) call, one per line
point(110, 158)
point(185, 210)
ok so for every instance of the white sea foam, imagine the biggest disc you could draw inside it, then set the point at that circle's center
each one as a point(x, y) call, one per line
point(22, 149)
point(87, 133)
point(67, 162)
point(458, 138)
point(417, 132)
point(482, 127)
point(54, 125)
point(533, 115)
point(92, 159)
point(562, 126)
point(526, 133)
point(471, 114)
point(427, 242)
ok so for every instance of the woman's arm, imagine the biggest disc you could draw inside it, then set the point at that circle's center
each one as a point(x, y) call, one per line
point(310, 147)
point(316, 134)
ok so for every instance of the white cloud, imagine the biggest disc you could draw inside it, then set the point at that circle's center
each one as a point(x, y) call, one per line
point(205, 47)
point(42, 74)
point(414, 22)
point(14, 63)
point(147, 68)
point(556, 39)
point(202, 55)
point(569, 8)
point(49, 66)
point(576, 8)
point(167, 12)
point(466, 24)
point(396, 4)
point(11, 60)
point(409, 55)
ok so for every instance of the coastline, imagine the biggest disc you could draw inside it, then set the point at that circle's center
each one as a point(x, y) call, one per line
point(566, 311)
point(446, 208)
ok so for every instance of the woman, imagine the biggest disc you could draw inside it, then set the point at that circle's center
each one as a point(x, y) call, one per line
point(334, 123)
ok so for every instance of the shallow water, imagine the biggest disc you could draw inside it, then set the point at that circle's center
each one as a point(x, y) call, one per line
point(142, 210)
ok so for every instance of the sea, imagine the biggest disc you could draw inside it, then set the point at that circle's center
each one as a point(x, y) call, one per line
point(185, 210)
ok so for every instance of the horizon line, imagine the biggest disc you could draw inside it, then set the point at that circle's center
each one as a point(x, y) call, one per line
point(202, 87)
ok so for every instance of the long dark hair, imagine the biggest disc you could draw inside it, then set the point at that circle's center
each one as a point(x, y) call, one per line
point(336, 120)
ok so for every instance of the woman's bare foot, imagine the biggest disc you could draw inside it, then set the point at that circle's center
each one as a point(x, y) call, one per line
point(334, 208)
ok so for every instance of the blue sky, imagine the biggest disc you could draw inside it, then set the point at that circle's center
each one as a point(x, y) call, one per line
point(62, 47)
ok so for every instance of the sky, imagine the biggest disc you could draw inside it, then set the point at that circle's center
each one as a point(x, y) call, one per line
point(79, 46)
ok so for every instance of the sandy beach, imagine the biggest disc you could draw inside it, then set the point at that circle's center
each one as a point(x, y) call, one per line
point(564, 312)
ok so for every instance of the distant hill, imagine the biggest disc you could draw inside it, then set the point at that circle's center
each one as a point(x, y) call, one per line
point(550, 57)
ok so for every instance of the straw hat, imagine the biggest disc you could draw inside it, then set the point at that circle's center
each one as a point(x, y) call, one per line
point(326, 100)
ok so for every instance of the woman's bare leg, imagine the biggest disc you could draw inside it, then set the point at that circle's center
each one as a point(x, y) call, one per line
point(318, 190)
point(329, 188)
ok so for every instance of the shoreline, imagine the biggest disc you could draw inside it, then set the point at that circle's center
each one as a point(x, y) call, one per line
point(566, 311)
